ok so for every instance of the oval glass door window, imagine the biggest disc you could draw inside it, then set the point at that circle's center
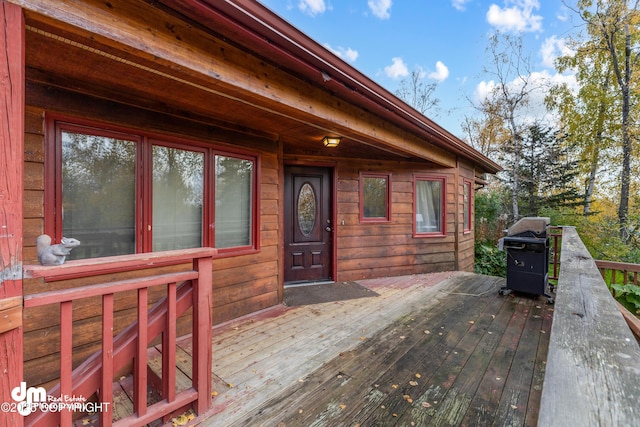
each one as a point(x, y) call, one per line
point(306, 209)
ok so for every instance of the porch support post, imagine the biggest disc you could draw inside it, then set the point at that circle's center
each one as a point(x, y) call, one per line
point(12, 98)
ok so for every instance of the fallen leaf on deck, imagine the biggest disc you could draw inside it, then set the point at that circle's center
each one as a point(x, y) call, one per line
point(86, 421)
point(413, 383)
point(394, 386)
point(427, 332)
point(395, 415)
point(343, 406)
point(363, 338)
point(426, 405)
point(472, 321)
point(418, 375)
point(214, 393)
point(230, 385)
point(402, 337)
point(181, 420)
point(514, 407)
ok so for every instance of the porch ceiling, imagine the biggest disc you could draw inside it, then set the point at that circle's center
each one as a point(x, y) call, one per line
point(65, 59)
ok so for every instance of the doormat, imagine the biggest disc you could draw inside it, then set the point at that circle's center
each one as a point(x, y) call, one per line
point(328, 292)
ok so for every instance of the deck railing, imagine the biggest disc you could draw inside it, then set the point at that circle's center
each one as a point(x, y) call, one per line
point(184, 289)
point(592, 374)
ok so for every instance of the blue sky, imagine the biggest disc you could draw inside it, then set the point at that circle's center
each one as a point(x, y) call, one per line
point(445, 39)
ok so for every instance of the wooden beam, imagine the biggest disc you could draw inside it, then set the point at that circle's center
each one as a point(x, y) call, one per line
point(12, 81)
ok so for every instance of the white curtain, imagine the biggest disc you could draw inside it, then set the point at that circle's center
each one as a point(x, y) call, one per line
point(428, 206)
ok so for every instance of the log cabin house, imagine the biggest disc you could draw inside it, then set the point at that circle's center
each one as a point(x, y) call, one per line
point(140, 126)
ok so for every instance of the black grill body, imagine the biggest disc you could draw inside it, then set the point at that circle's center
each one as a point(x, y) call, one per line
point(528, 259)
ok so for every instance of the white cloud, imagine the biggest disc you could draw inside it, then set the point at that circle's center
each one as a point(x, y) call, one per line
point(397, 69)
point(312, 7)
point(347, 54)
point(517, 16)
point(380, 8)
point(541, 81)
point(441, 73)
point(551, 49)
point(459, 4)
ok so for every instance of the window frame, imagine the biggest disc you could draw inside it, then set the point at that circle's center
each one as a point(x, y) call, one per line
point(387, 177)
point(467, 189)
point(145, 141)
point(443, 205)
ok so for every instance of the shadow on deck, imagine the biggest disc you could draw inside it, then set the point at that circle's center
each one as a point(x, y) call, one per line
point(434, 349)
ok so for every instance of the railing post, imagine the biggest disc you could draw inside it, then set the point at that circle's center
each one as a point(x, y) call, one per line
point(202, 323)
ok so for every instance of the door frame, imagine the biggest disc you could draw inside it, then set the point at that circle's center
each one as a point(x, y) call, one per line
point(333, 176)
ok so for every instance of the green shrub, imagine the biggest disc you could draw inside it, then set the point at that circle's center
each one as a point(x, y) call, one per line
point(490, 260)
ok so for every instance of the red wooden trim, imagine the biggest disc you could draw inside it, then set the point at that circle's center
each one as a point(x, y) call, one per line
point(12, 102)
point(202, 318)
point(106, 265)
point(140, 376)
point(387, 177)
point(86, 377)
point(145, 140)
point(169, 347)
point(66, 357)
point(443, 207)
point(184, 398)
point(106, 390)
point(62, 295)
point(469, 207)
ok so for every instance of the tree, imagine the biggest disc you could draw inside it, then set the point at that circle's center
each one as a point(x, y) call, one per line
point(547, 171)
point(588, 114)
point(506, 103)
point(614, 24)
point(415, 92)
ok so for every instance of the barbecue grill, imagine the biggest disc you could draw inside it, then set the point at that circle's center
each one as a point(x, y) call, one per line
point(527, 246)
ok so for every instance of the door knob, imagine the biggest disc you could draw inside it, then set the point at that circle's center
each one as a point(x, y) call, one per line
point(328, 228)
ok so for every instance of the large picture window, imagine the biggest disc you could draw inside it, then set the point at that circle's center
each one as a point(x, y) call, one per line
point(375, 196)
point(123, 193)
point(429, 193)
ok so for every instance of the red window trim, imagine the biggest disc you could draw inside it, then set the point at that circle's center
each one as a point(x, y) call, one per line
point(55, 123)
point(469, 207)
point(443, 207)
point(385, 175)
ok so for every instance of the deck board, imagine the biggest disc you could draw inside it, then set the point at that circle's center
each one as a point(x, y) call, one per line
point(480, 358)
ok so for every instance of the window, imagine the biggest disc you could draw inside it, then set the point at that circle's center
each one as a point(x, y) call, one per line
point(121, 193)
point(429, 206)
point(375, 196)
point(467, 206)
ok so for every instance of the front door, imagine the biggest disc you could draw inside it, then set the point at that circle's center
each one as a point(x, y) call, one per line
point(308, 227)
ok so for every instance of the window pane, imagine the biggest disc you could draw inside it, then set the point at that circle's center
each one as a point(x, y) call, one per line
point(178, 178)
point(234, 179)
point(428, 206)
point(98, 194)
point(467, 207)
point(374, 197)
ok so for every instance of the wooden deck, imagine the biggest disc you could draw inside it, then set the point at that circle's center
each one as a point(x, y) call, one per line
point(436, 349)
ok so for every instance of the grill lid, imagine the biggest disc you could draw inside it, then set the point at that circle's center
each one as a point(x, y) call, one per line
point(536, 225)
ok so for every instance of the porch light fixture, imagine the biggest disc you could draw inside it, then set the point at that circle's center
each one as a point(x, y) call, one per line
point(331, 141)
